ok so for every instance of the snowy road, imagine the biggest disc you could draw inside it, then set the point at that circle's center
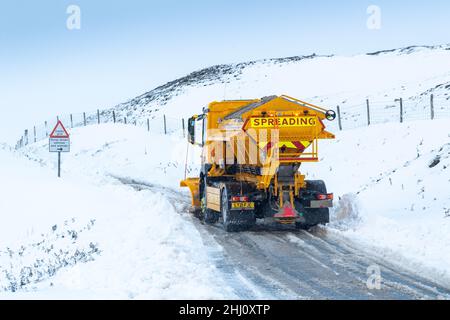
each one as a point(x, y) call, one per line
point(282, 264)
point(276, 262)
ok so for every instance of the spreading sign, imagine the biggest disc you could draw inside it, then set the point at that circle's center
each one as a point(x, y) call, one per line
point(283, 122)
point(59, 139)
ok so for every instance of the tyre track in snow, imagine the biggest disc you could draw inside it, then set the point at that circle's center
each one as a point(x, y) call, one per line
point(278, 262)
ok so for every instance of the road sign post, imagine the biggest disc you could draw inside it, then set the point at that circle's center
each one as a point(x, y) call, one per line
point(59, 164)
point(59, 141)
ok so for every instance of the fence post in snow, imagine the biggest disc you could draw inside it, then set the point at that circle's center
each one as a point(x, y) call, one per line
point(98, 116)
point(84, 118)
point(34, 133)
point(148, 124)
point(401, 110)
point(26, 136)
point(368, 112)
point(432, 106)
point(114, 116)
point(165, 125)
point(46, 131)
point(125, 120)
point(182, 124)
point(71, 121)
point(339, 117)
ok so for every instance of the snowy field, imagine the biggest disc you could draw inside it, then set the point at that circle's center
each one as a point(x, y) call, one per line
point(89, 235)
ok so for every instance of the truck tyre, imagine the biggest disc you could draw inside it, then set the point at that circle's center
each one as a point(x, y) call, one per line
point(314, 216)
point(210, 216)
point(234, 221)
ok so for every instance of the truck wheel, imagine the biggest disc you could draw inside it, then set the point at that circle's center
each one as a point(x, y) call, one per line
point(234, 221)
point(315, 216)
point(210, 216)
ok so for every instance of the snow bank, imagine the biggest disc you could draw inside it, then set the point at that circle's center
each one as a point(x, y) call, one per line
point(88, 235)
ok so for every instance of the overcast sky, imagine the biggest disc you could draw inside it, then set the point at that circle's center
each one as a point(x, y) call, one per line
point(125, 48)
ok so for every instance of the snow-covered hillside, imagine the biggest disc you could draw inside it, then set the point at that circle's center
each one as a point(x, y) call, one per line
point(412, 73)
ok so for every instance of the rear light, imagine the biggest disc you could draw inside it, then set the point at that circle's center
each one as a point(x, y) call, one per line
point(328, 196)
point(239, 199)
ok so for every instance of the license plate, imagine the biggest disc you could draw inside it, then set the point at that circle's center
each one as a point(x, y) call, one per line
point(243, 205)
point(321, 204)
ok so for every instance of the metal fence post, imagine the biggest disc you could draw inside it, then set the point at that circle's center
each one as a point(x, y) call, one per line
point(98, 116)
point(339, 117)
point(26, 136)
point(368, 112)
point(148, 124)
point(125, 120)
point(432, 106)
point(114, 116)
point(84, 118)
point(46, 131)
point(401, 110)
point(182, 124)
point(165, 125)
point(34, 133)
point(71, 121)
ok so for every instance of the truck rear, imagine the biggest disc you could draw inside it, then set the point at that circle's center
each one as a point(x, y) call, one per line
point(252, 151)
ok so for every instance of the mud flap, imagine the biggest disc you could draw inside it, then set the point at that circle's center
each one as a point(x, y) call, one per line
point(316, 216)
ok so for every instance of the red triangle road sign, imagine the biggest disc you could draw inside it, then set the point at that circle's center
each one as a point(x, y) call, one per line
point(59, 131)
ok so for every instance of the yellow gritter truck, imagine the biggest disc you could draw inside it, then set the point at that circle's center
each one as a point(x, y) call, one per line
point(252, 151)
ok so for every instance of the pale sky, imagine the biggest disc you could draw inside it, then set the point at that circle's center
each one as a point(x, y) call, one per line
point(125, 48)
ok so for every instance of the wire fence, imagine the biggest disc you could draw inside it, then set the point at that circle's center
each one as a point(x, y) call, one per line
point(399, 110)
point(156, 124)
point(348, 117)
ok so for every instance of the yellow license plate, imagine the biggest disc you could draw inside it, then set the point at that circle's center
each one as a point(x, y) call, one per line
point(242, 205)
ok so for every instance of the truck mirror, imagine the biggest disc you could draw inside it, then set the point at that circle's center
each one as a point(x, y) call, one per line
point(330, 115)
point(191, 130)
